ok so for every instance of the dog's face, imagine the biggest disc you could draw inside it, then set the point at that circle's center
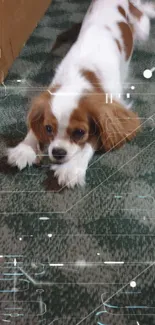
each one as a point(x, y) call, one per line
point(62, 123)
point(66, 122)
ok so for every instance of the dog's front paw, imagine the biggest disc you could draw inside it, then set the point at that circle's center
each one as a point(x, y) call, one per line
point(69, 175)
point(21, 156)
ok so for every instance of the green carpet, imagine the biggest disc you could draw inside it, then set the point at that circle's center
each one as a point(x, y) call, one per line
point(56, 243)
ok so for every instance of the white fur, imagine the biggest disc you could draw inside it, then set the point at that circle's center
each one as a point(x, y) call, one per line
point(142, 27)
point(95, 50)
point(66, 99)
point(25, 153)
point(148, 9)
point(21, 156)
point(73, 171)
point(59, 142)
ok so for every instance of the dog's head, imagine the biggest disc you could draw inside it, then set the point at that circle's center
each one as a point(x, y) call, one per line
point(66, 121)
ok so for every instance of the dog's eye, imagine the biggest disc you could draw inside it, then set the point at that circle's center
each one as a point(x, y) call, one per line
point(78, 134)
point(48, 129)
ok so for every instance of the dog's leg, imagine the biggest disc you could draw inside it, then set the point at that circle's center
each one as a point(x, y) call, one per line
point(25, 153)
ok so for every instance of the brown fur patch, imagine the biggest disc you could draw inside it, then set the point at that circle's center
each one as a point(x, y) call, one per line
point(135, 11)
point(79, 120)
point(122, 11)
point(109, 125)
point(94, 134)
point(127, 38)
point(93, 79)
point(115, 125)
point(118, 45)
point(40, 115)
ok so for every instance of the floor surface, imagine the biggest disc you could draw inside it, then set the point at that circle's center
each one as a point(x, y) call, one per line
point(82, 256)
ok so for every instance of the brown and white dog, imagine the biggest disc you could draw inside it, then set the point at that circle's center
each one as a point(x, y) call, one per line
point(75, 116)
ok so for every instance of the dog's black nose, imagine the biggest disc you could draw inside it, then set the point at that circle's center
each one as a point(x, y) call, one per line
point(59, 153)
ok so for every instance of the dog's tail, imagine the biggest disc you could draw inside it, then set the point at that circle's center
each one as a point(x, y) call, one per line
point(140, 15)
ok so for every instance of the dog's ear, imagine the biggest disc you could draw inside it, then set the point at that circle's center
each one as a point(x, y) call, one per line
point(115, 123)
point(39, 107)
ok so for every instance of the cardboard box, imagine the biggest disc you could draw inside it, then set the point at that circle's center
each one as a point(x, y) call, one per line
point(18, 18)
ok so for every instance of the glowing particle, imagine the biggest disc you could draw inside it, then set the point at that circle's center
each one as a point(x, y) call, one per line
point(81, 263)
point(6, 320)
point(33, 265)
point(15, 262)
point(128, 95)
point(56, 264)
point(14, 289)
point(147, 74)
point(98, 254)
point(110, 306)
point(49, 235)
point(113, 262)
point(20, 238)
point(43, 218)
point(132, 87)
point(133, 284)
point(18, 80)
point(40, 291)
point(101, 312)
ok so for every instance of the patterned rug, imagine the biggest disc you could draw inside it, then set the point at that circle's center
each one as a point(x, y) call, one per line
point(82, 256)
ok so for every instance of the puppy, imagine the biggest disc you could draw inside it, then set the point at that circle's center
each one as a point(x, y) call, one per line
point(83, 110)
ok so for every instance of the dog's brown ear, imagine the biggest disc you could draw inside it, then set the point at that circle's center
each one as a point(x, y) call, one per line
point(40, 105)
point(117, 125)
